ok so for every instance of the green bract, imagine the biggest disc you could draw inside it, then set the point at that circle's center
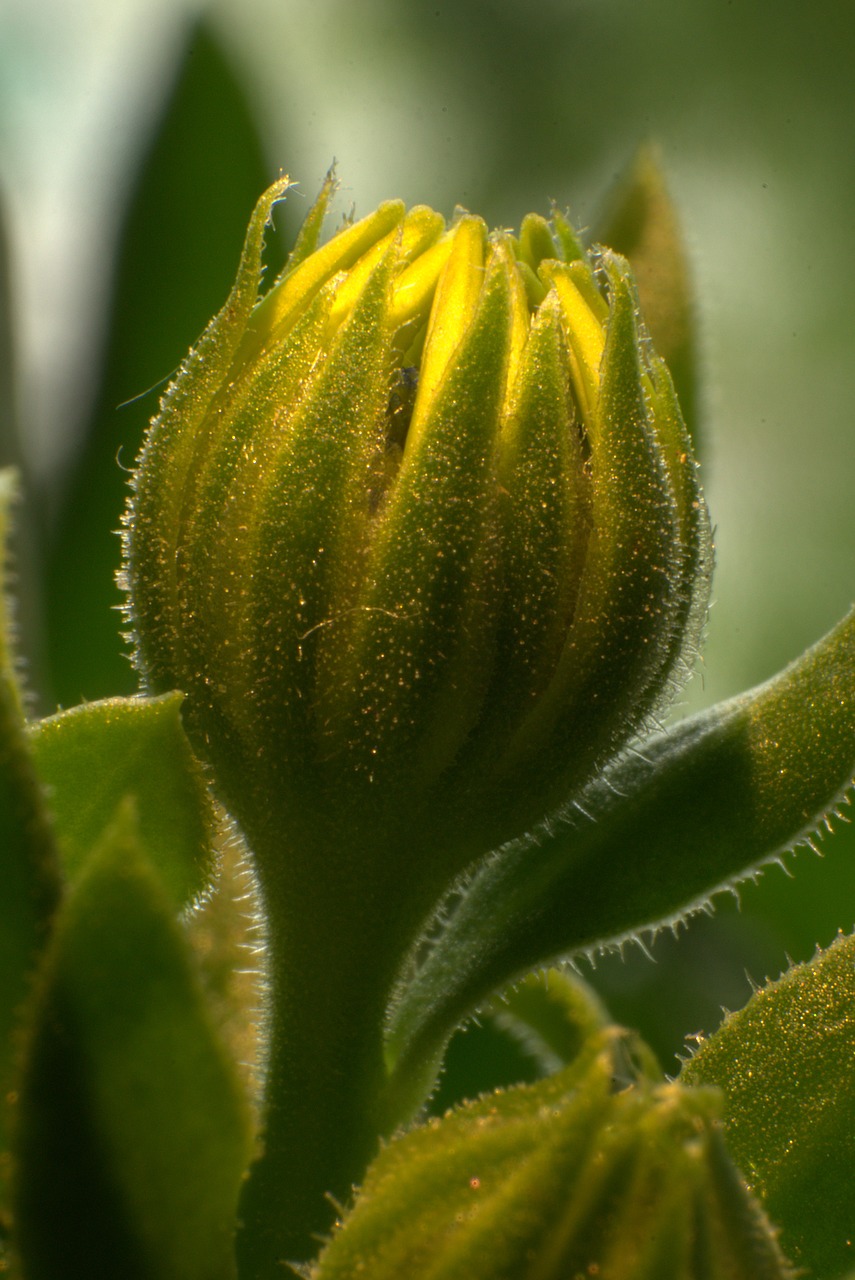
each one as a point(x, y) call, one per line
point(596, 1171)
point(419, 533)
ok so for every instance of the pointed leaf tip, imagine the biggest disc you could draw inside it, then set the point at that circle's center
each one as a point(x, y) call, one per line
point(94, 755)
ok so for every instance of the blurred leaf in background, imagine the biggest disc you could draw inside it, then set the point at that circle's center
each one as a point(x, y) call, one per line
point(131, 1132)
point(642, 223)
point(9, 443)
point(20, 531)
point(176, 256)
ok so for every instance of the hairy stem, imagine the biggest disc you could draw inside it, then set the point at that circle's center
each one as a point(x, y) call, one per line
point(334, 948)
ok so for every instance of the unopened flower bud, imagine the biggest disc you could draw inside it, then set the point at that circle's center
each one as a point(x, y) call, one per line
point(594, 1172)
point(418, 533)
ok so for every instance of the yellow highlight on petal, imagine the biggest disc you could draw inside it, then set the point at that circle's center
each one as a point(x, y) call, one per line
point(585, 334)
point(414, 287)
point(583, 278)
point(503, 249)
point(284, 303)
point(454, 304)
point(419, 230)
point(415, 234)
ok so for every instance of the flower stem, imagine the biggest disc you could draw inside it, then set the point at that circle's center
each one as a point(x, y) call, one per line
point(334, 949)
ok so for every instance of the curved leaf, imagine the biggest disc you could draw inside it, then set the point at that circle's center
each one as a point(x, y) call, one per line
point(663, 828)
point(132, 1134)
point(785, 1064)
point(93, 756)
point(552, 1014)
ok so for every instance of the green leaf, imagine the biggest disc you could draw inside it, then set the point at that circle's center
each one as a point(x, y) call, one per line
point(199, 177)
point(93, 756)
point(687, 813)
point(642, 223)
point(29, 873)
point(132, 1134)
point(785, 1064)
point(597, 1170)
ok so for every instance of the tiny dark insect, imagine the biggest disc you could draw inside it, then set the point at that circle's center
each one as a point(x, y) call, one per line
point(401, 400)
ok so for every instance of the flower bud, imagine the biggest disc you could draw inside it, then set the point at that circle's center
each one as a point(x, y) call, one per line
point(596, 1171)
point(419, 532)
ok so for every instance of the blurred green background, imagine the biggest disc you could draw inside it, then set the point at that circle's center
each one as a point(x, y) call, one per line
point(133, 142)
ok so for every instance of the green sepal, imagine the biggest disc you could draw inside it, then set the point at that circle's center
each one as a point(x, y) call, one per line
point(689, 811)
point(535, 241)
point(598, 1170)
point(219, 523)
point(226, 932)
point(642, 223)
point(94, 755)
point(177, 440)
point(545, 510)
point(572, 249)
point(420, 654)
point(131, 1133)
point(310, 228)
point(784, 1063)
point(613, 667)
point(693, 575)
point(30, 882)
point(310, 513)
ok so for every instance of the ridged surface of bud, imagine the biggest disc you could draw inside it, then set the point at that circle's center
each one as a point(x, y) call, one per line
point(597, 1171)
point(419, 533)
